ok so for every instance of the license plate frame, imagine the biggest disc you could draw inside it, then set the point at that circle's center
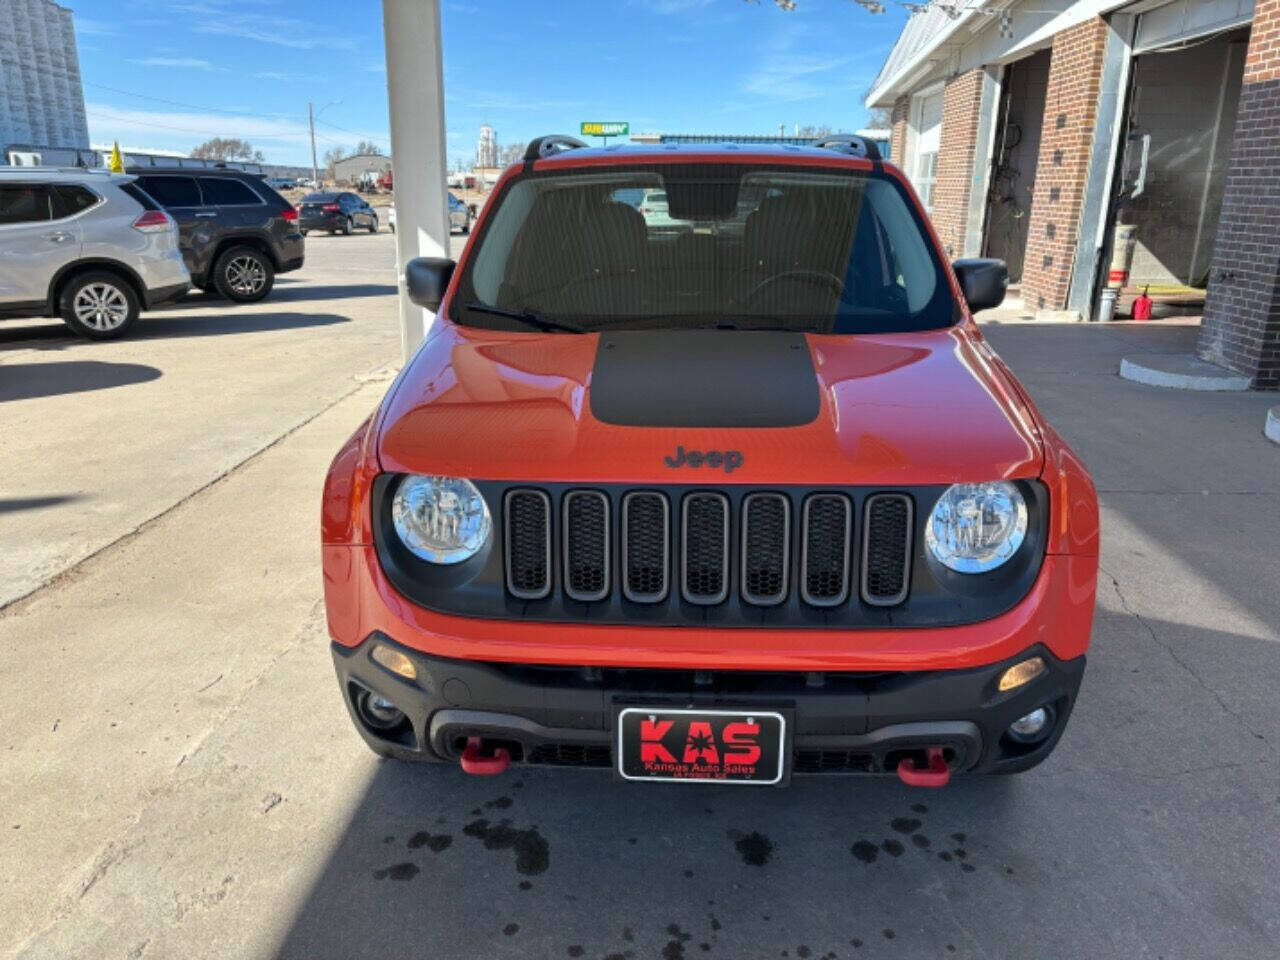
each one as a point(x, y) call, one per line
point(774, 747)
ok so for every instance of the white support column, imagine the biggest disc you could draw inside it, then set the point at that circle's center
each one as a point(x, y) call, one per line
point(415, 97)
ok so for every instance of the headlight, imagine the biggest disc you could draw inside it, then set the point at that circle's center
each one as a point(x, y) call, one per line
point(441, 519)
point(975, 527)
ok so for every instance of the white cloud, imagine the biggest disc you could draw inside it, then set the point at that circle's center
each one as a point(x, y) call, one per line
point(107, 123)
point(186, 62)
point(286, 77)
point(88, 26)
point(276, 32)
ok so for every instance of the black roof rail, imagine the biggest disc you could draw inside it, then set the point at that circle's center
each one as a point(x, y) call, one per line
point(850, 143)
point(546, 146)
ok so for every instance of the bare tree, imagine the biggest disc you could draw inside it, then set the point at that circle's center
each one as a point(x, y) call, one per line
point(813, 132)
point(511, 153)
point(880, 118)
point(367, 148)
point(229, 148)
point(332, 156)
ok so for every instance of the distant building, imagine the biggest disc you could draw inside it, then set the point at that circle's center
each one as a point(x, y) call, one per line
point(351, 169)
point(41, 98)
point(487, 148)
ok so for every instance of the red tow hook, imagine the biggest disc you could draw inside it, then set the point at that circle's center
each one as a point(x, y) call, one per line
point(935, 773)
point(478, 765)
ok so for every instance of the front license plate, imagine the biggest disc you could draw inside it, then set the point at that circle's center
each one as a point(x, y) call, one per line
point(703, 746)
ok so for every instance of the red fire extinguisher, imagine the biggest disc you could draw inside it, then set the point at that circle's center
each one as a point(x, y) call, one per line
point(1142, 306)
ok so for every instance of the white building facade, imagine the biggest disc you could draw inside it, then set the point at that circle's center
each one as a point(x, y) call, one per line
point(41, 98)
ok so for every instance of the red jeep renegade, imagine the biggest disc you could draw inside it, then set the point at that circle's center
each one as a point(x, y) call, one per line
point(724, 491)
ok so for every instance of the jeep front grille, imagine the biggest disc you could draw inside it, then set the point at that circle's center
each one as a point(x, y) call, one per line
point(766, 548)
point(886, 549)
point(528, 539)
point(586, 545)
point(705, 535)
point(646, 546)
point(719, 546)
point(827, 530)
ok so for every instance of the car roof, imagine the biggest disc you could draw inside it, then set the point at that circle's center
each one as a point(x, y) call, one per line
point(64, 174)
point(197, 171)
point(631, 153)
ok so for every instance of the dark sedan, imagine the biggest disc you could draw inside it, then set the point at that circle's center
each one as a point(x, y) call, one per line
point(337, 212)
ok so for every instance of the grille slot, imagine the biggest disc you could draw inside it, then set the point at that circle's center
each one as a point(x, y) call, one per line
point(571, 755)
point(527, 534)
point(766, 543)
point(705, 539)
point(646, 546)
point(886, 549)
point(826, 531)
point(586, 545)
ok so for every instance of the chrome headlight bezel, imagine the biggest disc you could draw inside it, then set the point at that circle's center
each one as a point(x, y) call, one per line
point(950, 538)
point(439, 519)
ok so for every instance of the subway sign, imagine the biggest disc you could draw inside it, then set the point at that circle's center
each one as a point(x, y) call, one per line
point(604, 128)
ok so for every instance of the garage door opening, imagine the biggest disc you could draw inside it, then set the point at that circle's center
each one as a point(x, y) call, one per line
point(1181, 119)
point(1016, 154)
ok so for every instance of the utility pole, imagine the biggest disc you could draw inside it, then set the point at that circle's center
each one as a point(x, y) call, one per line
point(311, 122)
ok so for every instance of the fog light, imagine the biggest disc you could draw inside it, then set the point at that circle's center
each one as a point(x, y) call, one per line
point(394, 660)
point(1032, 727)
point(379, 712)
point(1021, 673)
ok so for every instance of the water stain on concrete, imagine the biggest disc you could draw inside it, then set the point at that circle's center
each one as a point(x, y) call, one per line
point(755, 848)
point(435, 842)
point(397, 871)
point(893, 848)
point(905, 824)
point(533, 855)
point(511, 929)
point(499, 803)
point(865, 850)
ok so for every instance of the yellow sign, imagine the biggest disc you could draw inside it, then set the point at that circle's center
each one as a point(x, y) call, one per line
point(604, 128)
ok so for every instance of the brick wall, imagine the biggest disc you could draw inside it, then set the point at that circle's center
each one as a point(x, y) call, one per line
point(898, 129)
point(1066, 138)
point(961, 109)
point(1241, 327)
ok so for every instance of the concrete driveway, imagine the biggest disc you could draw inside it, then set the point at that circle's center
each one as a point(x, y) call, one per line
point(179, 778)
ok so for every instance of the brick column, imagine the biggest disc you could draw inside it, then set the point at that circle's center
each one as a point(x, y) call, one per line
point(1066, 139)
point(1241, 327)
point(961, 109)
point(898, 130)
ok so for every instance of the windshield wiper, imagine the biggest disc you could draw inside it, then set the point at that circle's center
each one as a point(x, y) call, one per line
point(526, 316)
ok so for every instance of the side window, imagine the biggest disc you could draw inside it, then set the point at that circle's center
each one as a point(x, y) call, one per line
point(72, 199)
point(24, 203)
point(172, 191)
point(133, 190)
point(225, 192)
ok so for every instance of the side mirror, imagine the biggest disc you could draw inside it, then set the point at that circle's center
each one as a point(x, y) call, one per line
point(983, 281)
point(426, 279)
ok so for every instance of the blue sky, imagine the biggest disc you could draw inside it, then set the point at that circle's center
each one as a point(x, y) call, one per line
point(172, 73)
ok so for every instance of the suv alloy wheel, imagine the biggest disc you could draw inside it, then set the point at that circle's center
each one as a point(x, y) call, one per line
point(99, 305)
point(243, 274)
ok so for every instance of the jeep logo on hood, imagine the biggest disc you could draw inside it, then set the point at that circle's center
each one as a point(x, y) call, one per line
point(730, 460)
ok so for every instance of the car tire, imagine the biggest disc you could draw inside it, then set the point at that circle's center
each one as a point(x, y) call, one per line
point(244, 274)
point(346, 227)
point(373, 226)
point(303, 231)
point(99, 305)
point(391, 227)
point(466, 228)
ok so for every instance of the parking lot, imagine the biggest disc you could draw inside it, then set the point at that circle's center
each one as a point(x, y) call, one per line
point(179, 777)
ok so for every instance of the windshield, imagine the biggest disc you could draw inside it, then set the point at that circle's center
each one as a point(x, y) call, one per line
point(699, 245)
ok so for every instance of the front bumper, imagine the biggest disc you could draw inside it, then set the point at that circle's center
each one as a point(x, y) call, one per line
point(843, 722)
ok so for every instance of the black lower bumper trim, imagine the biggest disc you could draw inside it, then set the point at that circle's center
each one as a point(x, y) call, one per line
point(843, 722)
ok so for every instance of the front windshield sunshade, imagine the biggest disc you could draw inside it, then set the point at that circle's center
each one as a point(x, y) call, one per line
point(698, 245)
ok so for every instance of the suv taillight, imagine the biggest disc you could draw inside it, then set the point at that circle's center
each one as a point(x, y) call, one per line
point(289, 213)
point(153, 221)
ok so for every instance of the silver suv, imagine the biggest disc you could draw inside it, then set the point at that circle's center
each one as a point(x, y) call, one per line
point(88, 246)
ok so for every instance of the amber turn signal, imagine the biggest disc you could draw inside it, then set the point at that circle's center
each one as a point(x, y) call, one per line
point(399, 664)
point(1021, 673)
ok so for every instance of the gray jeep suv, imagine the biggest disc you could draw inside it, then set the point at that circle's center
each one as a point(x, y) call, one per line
point(87, 246)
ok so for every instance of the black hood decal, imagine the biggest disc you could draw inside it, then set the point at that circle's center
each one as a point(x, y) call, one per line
point(704, 378)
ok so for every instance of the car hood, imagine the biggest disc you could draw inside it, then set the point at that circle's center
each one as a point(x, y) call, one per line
point(709, 407)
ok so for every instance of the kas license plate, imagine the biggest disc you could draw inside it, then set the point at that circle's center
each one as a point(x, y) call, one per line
point(716, 746)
